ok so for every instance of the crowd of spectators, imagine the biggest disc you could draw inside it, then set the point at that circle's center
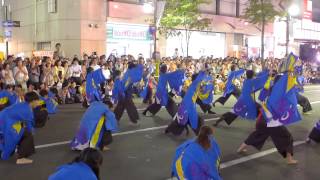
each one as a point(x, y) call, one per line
point(67, 75)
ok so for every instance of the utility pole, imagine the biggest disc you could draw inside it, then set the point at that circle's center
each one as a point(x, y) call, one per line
point(155, 18)
point(6, 19)
point(287, 33)
point(156, 55)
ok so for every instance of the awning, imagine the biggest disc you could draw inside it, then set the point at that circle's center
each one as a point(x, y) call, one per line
point(237, 25)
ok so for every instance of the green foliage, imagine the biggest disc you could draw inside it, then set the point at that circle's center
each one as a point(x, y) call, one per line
point(182, 14)
point(261, 11)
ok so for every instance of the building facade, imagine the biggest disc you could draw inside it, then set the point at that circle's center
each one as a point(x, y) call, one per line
point(123, 27)
point(79, 25)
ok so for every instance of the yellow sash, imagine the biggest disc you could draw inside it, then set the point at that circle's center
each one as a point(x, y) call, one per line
point(179, 168)
point(96, 134)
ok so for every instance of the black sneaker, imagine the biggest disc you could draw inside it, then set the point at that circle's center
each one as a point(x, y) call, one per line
point(145, 113)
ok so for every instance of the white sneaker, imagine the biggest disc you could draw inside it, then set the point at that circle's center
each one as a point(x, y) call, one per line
point(24, 161)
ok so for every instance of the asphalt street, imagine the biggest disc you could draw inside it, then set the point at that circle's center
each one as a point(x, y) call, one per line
point(144, 152)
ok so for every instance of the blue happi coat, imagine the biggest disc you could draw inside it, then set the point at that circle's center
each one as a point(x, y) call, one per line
point(74, 171)
point(187, 111)
point(8, 98)
point(266, 91)
point(245, 107)
point(117, 91)
point(231, 76)
point(132, 76)
point(97, 119)
point(11, 129)
point(93, 81)
point(122, 86)
point(281, 107)
point(206, 93)
point(175, 80)
point(193, 162)
point(51, 105)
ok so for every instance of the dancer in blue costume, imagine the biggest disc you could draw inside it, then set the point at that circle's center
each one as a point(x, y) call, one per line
point(16, 127)
point(205, 96)
point(51, 104)
point(84, 167)
point(7, 97)
point(187, 112)
point(163, 96)
point(96, 128)
point(246, 106)
point(123, 90)
point(93, 81)
point(280, 110)
point(198, 159)
point(230, 88)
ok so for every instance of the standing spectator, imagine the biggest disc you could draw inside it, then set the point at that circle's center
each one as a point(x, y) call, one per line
point(20, 73)
point(48, 74)
point(176, 53)
point(75, 71)
point(10, 62)
point(7, 75)
point(34, 74)
point(94, 64)
point(59, 52)
point(102, 59)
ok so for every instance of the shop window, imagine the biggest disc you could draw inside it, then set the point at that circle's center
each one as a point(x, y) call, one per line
point(44, 46)
point(238, 39)
point(52, 6)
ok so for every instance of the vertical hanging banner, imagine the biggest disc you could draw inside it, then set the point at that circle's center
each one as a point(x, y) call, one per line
point(307, 14)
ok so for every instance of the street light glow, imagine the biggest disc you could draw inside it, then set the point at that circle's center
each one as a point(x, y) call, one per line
point(147, 8)
point(294, 10)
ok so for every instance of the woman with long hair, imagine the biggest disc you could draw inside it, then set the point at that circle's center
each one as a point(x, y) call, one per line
point(198, 158)
point(84, 167)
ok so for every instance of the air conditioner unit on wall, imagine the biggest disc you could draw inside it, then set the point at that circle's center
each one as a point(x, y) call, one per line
point(52, 6)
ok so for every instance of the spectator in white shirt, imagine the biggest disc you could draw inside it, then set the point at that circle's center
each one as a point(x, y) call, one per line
point(7, 75)
point(20, 74)
point(75, 71)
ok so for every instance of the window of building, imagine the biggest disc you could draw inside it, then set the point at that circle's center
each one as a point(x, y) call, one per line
point(44, 46)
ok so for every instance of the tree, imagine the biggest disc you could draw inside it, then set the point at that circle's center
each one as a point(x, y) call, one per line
point(183, 16)
point(261, 12)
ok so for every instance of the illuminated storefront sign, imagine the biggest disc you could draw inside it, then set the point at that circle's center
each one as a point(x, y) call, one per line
point(128, 32)
point(307, 14)
point(43, 53)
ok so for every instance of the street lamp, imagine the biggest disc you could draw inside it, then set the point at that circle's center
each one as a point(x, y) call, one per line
point(293, 10)
point(148, 8)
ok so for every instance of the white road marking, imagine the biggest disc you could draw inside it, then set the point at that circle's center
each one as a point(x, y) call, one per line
point(223, 165)
point(310, 87)
point(117, 134)
point(315, 102)
point(309, 91)
point(254, 156)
